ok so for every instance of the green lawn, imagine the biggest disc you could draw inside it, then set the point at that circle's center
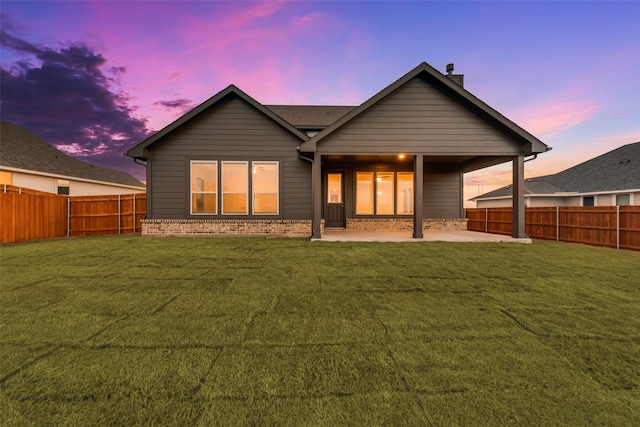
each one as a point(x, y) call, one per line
point(205, 331)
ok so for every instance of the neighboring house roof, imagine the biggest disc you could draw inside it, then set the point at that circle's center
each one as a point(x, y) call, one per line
point(453, 88)
point(617, 170)
point(310, 116)
point(22, 149)
point(139, 151)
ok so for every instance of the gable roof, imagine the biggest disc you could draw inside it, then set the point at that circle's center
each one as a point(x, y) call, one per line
point(138, 152)
point(310, 116)
point(617, 170)
point(22, 149)
point(448, 85)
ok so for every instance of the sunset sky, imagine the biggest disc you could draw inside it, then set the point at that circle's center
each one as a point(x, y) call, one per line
point(95, 78)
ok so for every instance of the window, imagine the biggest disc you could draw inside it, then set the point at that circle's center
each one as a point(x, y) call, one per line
point(404, 187)
point(63, 186)
point(384, 193)
point(334, 190)
point(393, 193)
point(623, 199)
point(588, 201)
point(6, 178)
point(204, 186)
point(364, 193)
point(235, 188)
point(265, 188)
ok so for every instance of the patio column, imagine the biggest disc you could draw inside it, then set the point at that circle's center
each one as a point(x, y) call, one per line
point(418, 179)
point(518, 230)
point(316, 195)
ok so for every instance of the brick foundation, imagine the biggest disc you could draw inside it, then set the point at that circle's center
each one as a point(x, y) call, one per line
point(284, 228)
point(232, 227)
point(404, 224)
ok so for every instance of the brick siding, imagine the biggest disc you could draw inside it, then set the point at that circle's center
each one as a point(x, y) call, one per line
point(204, 227)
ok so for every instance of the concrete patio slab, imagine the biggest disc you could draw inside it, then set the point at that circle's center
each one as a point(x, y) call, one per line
point(406, 236)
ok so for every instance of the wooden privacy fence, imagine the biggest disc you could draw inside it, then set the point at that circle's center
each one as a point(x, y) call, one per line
point(29, 214)
point(610, 226)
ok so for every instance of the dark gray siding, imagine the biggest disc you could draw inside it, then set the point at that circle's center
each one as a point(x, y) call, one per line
point(442, 195)
point(419, 118)
point(233, 130)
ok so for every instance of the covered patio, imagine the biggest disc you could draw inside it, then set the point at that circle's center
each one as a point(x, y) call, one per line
point(407, 236)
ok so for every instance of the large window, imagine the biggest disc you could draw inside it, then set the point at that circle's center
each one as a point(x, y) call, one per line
point(384, 193)
point(204, 185)
point(235, 188)
point(265, 188)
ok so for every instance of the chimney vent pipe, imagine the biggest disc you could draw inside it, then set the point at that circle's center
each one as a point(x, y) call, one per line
point(449, 69)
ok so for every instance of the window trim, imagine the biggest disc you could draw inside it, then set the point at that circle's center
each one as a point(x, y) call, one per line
point(192, 192)
point(253, 192)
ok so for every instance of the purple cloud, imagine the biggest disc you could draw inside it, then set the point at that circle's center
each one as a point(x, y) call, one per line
point(68, 97)
point(182, 105)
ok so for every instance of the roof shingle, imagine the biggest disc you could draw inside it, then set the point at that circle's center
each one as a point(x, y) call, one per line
point(613, 171)
point(22, 149)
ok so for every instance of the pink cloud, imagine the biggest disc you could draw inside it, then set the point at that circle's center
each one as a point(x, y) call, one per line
point(553, 117)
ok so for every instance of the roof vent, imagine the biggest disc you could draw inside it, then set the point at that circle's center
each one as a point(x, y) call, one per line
point(449, 69)
point(458, 78)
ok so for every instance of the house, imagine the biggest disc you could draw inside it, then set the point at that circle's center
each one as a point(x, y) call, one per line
point(612, 179)
point(28, 161)
point(235, 166)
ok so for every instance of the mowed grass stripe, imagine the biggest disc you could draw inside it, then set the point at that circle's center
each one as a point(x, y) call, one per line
point(200, 331)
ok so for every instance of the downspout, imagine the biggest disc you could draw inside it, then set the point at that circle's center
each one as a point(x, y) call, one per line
point(300, 156)
point(535, 156)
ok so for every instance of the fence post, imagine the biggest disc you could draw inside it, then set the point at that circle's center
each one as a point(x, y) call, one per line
point(486, 220)
point(134, 213)
point(119, 215)
point(617, 227)
point(557, 223)
point(68, 216)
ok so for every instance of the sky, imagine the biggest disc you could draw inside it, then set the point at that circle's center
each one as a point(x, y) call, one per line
point(94, 78)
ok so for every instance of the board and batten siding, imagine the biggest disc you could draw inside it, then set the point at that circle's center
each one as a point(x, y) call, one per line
point(419, 118)
point(232, 130)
